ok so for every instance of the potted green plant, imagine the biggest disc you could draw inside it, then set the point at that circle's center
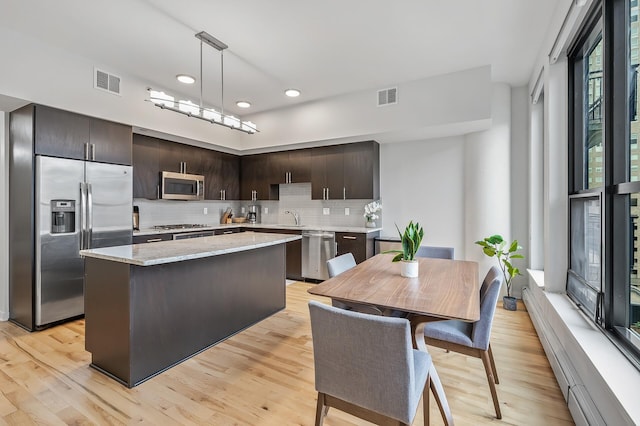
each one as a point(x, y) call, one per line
point(410, 239)
point(496, 246)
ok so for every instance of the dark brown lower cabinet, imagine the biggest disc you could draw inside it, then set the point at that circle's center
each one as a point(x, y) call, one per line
point(294, 251)
point(361, 245)
point(153, 238)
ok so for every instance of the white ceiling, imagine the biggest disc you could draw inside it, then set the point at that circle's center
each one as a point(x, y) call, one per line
point(324, 48)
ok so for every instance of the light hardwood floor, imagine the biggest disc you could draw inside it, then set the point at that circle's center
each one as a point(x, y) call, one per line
point(262, 376)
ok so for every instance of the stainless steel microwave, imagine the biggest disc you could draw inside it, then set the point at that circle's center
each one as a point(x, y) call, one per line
point(182, 186)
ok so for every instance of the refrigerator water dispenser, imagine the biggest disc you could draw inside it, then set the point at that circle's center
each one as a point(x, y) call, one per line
point(63, 216)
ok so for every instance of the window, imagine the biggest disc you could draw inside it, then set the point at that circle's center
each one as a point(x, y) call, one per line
point(604, 165)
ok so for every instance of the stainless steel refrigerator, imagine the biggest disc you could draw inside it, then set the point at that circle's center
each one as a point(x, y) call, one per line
point(78, 205)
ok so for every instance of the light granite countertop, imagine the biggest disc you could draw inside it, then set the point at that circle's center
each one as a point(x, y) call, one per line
point(193, 248)
point(248, 226)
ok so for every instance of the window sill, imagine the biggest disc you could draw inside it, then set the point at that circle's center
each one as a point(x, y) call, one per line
point(536, 277)
point(610, 379)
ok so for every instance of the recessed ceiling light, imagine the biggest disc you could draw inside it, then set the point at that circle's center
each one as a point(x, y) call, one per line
point(186, 79)
point(292, 93)
point(243, 104)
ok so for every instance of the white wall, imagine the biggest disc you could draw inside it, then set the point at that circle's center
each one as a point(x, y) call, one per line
point(423, 181)
point(556, 177)
point(487, 185)
point(453, 101)
point(4, 219)
point(519, 166)
point(47, 75)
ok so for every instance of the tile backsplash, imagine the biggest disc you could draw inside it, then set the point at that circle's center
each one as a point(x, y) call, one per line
point(293, 197)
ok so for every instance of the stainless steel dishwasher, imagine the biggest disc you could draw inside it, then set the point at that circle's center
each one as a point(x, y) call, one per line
point(317, 248)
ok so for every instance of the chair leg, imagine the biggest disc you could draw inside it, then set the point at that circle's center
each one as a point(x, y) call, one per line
point(425, 401)
point(492, 385)
point(321, 410)
point(493, 366)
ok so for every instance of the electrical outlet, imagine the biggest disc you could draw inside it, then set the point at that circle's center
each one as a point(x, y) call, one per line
point(325, 211)
point(266, 210)
point(205, 210)
point(242, 210)
point(346, 211)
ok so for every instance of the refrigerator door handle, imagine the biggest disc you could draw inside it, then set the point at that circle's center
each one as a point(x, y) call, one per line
point(89, 214)
point(83, 215)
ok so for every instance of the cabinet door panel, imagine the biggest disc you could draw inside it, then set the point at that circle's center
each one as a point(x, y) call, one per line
point(230, 175)
point(361, 170)
point(278, 167)
point(300, 165)
point(318, 173)
point(254, 169)
point(361, 245)
point(111, 141)
point(146, 176)
point(222, 172)
point(334, 163)
point(61, 133)
point(353, 243)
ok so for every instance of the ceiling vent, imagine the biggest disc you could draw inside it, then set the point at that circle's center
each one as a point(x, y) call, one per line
point(104, 81)
point(388, 96)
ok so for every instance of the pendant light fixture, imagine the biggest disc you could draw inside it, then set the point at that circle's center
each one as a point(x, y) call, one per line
point(186, 107)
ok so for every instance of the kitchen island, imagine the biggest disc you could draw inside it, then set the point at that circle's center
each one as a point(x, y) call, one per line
point(149, 307)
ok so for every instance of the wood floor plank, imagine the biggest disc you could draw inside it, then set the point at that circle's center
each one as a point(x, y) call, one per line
point(262, 376)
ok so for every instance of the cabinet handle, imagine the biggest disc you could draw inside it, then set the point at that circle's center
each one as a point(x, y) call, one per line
point(86, 151)
point(344, 193)
point(157, 192)
point(327, 193)
point(154, 240)
point(348, 237)
point(228, 232)
point(93, 152)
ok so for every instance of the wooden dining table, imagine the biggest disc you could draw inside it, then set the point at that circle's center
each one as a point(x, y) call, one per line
point(445, 289)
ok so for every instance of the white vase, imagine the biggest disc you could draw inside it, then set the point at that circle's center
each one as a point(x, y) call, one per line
point(370, 224)
point(409, 268)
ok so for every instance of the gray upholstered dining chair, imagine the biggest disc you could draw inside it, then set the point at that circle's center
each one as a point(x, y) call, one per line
point(435, 252)
point(381, 383)
point(473, 338)
point(338, 265)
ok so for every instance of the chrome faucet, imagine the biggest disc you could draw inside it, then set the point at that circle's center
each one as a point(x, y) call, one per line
point(295, 215)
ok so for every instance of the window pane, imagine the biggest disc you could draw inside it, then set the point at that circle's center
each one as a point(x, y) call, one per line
point(586, 239)
point(593, 119)
point(584, 277)
point(634, 172)
point(634, 291)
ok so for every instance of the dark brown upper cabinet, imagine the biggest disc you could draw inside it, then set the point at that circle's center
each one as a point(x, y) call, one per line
point(222, 176)
point(146, 167)
point(349, 171)
point(361, 168)
point(327, 176)
point(290, 166)
point(66, 134)
point(151, 156)
point(255, 177)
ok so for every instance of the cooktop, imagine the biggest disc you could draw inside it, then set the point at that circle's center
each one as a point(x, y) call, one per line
point(180, 226)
